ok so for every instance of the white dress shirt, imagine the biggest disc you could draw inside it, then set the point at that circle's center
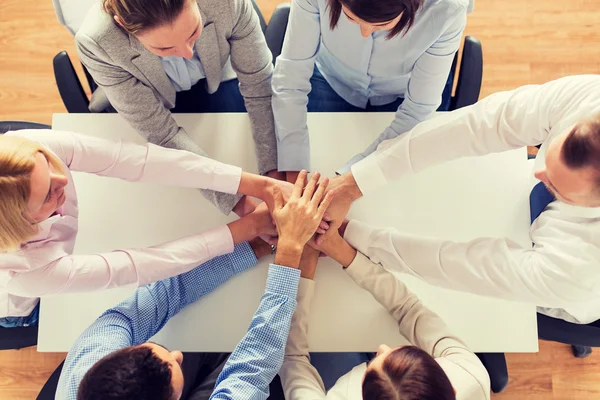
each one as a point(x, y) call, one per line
point(561, 273)
point(416, 323)
point(46, 264)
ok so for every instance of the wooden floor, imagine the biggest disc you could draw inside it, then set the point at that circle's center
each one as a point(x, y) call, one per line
point(524, 41)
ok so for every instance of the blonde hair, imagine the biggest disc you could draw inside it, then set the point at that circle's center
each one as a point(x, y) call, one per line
point(139, 15)
point(17, 160)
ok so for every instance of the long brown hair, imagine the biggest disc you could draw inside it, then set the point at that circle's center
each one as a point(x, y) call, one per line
point(407, 373)
point(139, 15)
point(17, 160)
point(377, 11)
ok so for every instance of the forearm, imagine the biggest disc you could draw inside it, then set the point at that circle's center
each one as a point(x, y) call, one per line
point(300, 380)
point(259, 355)
point(420, 326)
point(494, 267)
point(84, 273)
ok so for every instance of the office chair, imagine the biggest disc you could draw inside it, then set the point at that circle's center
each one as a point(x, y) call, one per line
point(70, 13)
point(558, 330)
point(18, 338)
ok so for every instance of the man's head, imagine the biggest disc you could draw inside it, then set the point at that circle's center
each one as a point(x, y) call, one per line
point(572, 170)
point(147, 371)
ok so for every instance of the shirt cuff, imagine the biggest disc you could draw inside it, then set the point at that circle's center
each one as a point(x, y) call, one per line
point(218, 241)
point(293, 152)
point(358, 234)
point(368, 175)
point(243, 257)
point(361, 267)
point(283, 280)
point(349, 164)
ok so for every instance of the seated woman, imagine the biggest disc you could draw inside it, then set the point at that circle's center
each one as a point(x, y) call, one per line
point(153, 57)
point(362, 55)
point(437, 366)
point(39, 211)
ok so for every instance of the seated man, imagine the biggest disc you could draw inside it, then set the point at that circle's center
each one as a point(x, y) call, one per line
point(113, 359)
point(560, 272)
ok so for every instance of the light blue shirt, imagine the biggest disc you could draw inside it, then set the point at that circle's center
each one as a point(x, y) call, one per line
point(183, 73)
point(414, 66)
point(259, 355)
point(145, 312)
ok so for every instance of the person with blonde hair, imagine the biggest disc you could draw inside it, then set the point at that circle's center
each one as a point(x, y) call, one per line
point(152, 58)
point(39, 216)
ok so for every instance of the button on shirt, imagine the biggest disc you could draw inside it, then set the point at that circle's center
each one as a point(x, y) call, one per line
point(183, 73)
point(378, 70)
point(561, 273)
point(46, 264)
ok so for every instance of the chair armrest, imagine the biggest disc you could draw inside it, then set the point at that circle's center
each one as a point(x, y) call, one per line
point(69, 86)
point(275, 32)
point(469, 75)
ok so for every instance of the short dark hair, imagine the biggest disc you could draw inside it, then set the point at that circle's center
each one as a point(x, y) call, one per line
point(408, 373)
point(581, 148)
point(139, 15)
point(375, 11)
point(134, 372)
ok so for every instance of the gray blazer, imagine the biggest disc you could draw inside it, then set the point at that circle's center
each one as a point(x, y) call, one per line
point(134, 81)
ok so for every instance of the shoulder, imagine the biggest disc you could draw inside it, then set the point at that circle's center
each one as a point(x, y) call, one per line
point(467, 374)
point(450, 6)
point(100, 28)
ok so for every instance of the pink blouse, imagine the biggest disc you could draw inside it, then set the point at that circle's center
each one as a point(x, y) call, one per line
point(45, 265)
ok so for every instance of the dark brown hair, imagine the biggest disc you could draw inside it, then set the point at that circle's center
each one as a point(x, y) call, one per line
point(377, 11)
point(407, 373)
point(133, 372)
point(581, 148)
point(139, 15)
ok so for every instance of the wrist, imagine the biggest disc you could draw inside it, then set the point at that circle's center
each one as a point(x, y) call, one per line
point(288, 253)
point(349, 187)
point(341, 251)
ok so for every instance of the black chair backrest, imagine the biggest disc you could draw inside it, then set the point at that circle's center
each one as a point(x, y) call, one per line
point(6, 126)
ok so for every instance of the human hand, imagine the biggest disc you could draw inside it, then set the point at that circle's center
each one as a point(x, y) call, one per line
point(346, 192)
point(336, 247)
point(299, 218)
point(263, 224)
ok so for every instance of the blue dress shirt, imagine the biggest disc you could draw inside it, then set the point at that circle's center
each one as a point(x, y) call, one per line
point(135, 320)
point(414, 66)
point(259, 356)
point(183, 73)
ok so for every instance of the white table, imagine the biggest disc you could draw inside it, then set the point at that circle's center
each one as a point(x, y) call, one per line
point(461, 200)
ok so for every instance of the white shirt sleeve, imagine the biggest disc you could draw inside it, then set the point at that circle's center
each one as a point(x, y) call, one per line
point(136, 162)
point(494, 267)
point(502, 121)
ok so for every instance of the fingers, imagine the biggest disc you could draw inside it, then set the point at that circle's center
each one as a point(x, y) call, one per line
point(324, 205)
point(310, 188)
point(327, 217)
point(324, 225)
point(277, 198)
point(299, 185)
point(316, 199)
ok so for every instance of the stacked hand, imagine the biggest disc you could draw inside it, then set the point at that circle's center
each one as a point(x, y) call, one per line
point(298, 218)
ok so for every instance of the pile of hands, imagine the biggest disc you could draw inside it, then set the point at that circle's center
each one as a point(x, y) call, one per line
point(307, 212)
